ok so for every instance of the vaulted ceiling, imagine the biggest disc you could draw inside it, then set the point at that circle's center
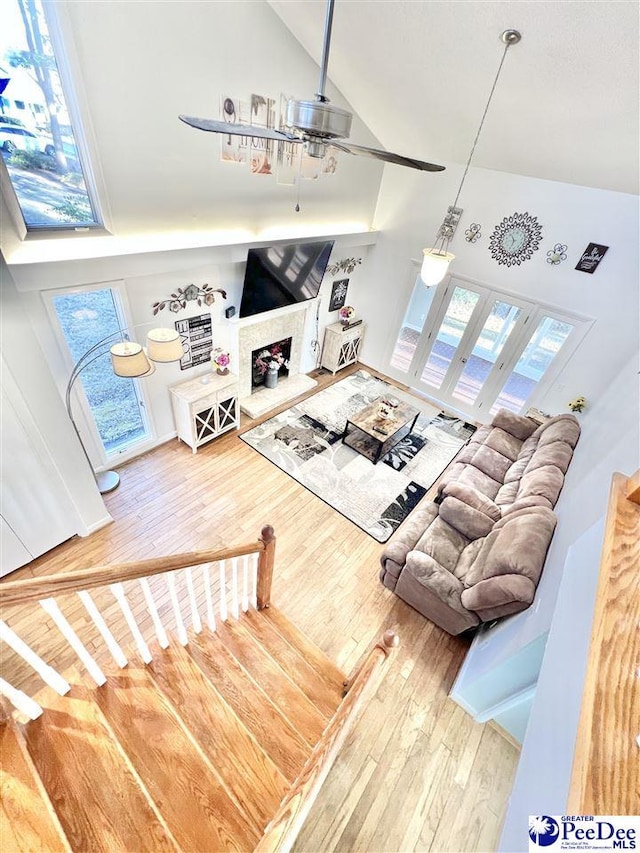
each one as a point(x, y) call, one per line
point(419, 72)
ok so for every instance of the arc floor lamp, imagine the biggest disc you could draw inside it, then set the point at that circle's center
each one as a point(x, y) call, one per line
point(131, 361)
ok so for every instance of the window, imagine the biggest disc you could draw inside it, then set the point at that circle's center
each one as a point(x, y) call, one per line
point(86, 318)
point(46, 169)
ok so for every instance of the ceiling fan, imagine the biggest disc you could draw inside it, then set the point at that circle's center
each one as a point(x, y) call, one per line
point(315, 124)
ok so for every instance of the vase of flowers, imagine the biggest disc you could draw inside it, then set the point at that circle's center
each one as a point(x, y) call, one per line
point(268, 362)
point(578, 404)
point(346, 313)
point(221, 360)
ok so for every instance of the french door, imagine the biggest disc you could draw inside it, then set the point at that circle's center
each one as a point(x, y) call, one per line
point(474, 349)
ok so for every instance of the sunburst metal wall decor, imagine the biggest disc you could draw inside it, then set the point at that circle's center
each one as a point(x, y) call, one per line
point(515, 239)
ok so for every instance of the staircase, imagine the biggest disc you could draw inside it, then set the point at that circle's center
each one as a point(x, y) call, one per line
point(206, 737)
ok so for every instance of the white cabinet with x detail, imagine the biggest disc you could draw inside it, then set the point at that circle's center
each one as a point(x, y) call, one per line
point(204, 411)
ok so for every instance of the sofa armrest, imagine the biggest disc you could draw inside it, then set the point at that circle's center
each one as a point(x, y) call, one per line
point(406, 536)
point(488, 595)
point(472, 498)
point(516, 425)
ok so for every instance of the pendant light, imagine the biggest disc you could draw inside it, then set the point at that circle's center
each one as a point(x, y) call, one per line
point(436, 259)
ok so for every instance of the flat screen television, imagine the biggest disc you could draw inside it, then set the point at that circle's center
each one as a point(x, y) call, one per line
point(283, 275)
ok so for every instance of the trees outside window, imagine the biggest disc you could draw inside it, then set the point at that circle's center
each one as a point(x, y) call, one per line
point(45, 166)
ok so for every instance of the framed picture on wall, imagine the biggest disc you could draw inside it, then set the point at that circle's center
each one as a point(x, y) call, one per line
point(338, 294)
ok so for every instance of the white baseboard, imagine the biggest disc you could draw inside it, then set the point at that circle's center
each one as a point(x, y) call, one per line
point(97, 525)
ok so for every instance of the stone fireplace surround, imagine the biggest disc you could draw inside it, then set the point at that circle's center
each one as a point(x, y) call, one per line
point(254, 333)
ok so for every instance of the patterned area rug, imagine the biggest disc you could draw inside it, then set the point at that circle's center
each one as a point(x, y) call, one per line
point(305, 442)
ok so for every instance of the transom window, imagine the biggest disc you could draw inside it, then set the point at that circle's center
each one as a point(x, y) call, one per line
point(37, 140)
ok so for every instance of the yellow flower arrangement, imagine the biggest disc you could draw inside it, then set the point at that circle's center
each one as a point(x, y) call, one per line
point(577, 405)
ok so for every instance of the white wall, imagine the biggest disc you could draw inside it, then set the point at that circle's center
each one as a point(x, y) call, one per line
point(410, 209)
point(148, 278)
point(136, 66)
point(30, 370)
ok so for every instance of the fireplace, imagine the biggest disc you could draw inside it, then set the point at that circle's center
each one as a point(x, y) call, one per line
point(279, 352)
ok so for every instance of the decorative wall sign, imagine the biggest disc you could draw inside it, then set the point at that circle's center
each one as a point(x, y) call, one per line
point(338, 294)
point(591, 257)
point(204, 295)
point(472, 234)
point(345, 265)
point(197, 341)
point(515, 239)
point(557, 254)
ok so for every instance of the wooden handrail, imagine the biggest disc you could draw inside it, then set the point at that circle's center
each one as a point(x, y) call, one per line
point(265, 567)
point(48, 586)
point(285, 826)
point(604, 780)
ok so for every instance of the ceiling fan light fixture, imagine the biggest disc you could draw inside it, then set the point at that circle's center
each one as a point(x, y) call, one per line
point(436, 260)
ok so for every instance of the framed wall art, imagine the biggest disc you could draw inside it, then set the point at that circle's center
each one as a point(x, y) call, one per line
point(591, 257)
point(338, 294)
point(197, 341)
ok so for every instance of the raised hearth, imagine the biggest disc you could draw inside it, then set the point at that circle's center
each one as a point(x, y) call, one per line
point(265, 399)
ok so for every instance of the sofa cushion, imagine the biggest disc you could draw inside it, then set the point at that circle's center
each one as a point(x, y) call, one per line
point(493, 462)
point(470, 522)
point(467, 560)
point(545, 481)
point(557, 453)
point(503, 443)
point(471, 476)
point(518, 468)
point(561, 428)
point(517, 545)
point(442, 542)
point(516, 425)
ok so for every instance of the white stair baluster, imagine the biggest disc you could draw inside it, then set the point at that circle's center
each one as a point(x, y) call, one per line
point(195, 616)
point(180, 629)
point(206, 581)
point(161, 634)
point(223, 591)
point(50, 606)
point(254, 581)
point(118, 590)
point(234, 587)
point(245, 583)
point(47, 673)
point(25, 704)
point(110, 641)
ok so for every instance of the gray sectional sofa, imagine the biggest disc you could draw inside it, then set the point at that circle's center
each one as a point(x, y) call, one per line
point(477, 552)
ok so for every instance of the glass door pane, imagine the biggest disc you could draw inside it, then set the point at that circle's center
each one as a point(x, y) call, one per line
point(454, 323)
point(488, 346)
point(85, 319)
point(543, 346)
point(412, 326)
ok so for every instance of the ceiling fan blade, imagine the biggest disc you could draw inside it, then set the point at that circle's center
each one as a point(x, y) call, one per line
point(387, 156)
point(230, 129)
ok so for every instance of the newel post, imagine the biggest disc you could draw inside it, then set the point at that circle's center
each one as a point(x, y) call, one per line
point(265, 566)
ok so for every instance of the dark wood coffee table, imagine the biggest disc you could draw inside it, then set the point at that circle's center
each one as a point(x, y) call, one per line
point(372, 436)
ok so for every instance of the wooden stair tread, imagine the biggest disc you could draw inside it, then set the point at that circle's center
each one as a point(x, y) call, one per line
point(96, 795)
point(324, 696)
point(248, 772)
point(186, 788)
point(250, 703)
point(301, 713)
point(314, 656)
point(28, 820)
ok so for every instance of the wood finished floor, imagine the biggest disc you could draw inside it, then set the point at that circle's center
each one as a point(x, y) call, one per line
point(417, 773)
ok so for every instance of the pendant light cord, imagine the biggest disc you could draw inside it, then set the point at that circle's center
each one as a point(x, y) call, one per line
point(442, 237)
point(484, 115)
